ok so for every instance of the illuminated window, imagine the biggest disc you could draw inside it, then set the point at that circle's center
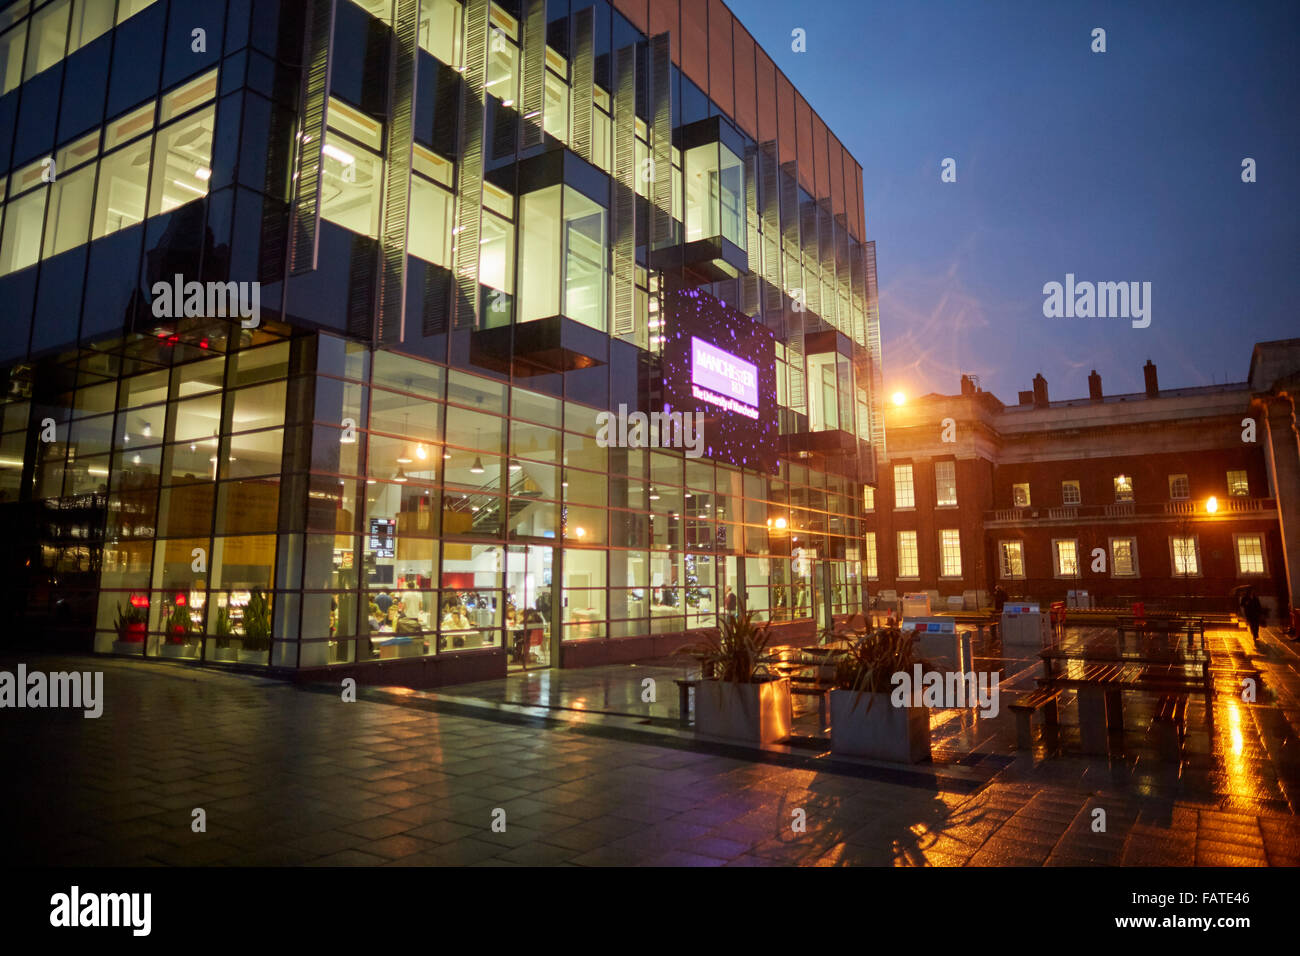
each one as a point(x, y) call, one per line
point(1123, 557)
point(1020, 495)
point(870, 558)
point(1067, 557)
point(429, 233)
point(1185, 560)
point(90, 19)
point(904, 494)
point(1070, 494)
point(907, 560)
point(950, 553)
point(555, 112)
point(181, 161)
point(351, 184)
point(68, 219)
point(1250, 553)
point(129, 8)
point(189, 96)
point(1179, 490)
point(123, 182)
point(945, 483)
point(503, 67)
point(1123, 487)
point(1011, 562)
point(1238, 484)
point(11, 57)
point(439, 31)
point(21, 244)
point(868, 498)
point(48, 37)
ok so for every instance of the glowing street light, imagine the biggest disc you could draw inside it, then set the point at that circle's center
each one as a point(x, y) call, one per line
point(899, 398)
point(1211, 504)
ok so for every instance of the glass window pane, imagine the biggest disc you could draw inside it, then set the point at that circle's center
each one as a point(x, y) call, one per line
point(185, 98)
point(129, 8)
point(68, 219)
point(11, 57)
point(731, 196)
point(585, 282)
point(90, 18)
point(351, 186)
point(539, 216)
point(555, 115)
point(49, 35)
point(21, 246)
point(351, 122)
point(439, 30)
point(123, 179)
point(128, 126)
point(77, 152)
point(430, 223)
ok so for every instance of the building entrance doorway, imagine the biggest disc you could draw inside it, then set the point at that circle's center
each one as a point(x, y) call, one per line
point(531, 597)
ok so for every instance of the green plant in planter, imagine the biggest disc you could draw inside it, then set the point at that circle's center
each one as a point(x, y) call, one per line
point(132, 615)
point(179, 626)
point(257, 622)
point(222, 627)
point(870, 662)
point(733, 651)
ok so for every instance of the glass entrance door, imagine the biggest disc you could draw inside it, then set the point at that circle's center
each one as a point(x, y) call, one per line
point(530, 598)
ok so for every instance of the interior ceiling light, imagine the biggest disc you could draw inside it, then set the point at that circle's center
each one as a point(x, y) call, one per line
point(654, 495)
point(477, 467)
point(514, 465)
point(400, 476)
point(421, 452)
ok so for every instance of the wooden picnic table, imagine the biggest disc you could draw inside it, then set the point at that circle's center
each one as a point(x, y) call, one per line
point(1099, 667)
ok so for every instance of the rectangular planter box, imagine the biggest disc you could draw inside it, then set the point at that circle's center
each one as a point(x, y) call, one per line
point(883, 732)
point(178, 650)
point(754, 714)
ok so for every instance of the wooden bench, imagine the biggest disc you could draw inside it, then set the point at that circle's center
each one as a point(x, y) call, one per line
point(1170, 726)
point(1024, 708)
point(1193, 627)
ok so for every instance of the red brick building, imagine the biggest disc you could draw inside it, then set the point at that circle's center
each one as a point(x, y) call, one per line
point(1167, 496)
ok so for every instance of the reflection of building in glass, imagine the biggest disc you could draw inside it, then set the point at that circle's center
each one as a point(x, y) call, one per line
point(476, 226)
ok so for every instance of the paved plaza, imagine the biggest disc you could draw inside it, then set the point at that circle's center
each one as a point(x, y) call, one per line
point(587, 774)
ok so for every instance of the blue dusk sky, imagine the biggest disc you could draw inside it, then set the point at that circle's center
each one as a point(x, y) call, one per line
point(1115, 166)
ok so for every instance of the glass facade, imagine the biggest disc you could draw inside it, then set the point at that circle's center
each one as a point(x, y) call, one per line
point(399, 455)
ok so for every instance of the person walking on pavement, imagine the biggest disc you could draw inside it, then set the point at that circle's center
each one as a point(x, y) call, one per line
point(1253, 611)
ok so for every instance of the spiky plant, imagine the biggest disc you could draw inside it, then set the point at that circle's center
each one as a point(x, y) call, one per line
point(870, 662)
point(257, 622)
point(733, 651)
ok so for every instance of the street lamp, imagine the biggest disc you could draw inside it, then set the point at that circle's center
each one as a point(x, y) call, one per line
point(1211, 505)
point(899, 398)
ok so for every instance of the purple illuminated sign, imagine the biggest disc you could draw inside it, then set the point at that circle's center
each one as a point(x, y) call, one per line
point(722, 379)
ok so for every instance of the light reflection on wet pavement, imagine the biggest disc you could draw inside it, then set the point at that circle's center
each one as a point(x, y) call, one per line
point(293, 776)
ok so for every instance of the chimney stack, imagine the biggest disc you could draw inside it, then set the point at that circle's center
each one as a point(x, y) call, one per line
point(967, 386)
point(1153, 384)
point(1040, 391)
point(1094, 386)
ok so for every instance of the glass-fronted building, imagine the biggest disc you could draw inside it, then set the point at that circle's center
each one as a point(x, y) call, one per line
point(325, 321)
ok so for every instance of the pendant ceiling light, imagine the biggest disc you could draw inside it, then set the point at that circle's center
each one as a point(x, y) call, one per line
point(477, 467)
point(401, 475)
